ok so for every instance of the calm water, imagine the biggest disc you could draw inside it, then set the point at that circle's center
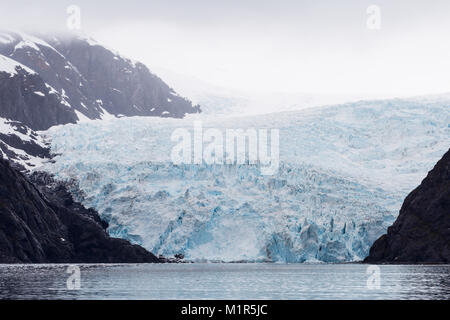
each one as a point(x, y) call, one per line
point(224, 281)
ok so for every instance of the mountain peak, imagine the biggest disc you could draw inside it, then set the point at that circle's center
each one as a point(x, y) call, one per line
point(89, 78)
point(54, 79)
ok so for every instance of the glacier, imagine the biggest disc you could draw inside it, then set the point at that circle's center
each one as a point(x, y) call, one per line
point(344, 173)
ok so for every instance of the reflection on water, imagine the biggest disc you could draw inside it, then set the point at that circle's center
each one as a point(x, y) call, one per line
point(224, 281)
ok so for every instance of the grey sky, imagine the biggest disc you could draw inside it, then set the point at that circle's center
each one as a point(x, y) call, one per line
point(308, 46)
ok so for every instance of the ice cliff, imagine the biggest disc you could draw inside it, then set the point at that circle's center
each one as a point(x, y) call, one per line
point(343, 175)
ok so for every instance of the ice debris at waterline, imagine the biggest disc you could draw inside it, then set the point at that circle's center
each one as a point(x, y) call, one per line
point(344, 172)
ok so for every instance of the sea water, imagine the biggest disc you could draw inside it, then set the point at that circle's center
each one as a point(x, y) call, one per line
point(225, 281)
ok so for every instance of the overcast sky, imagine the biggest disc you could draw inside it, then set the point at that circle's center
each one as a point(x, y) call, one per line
point(294, 46)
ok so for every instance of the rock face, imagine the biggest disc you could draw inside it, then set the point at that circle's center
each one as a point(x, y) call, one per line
point(25, 97)
point(421, 233)
point(51, 80)
point(21, 145)
point(41, 223)
point(75, 77)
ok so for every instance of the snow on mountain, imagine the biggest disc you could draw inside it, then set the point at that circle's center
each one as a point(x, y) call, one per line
point(25, 148)
point(84, 72)
point(25, 97)
point(48, 80)
point(344, 172)
point(10, 66)
point(216, 100)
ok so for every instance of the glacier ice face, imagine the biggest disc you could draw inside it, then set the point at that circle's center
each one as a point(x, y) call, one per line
point(233, 213)
point(344, 172)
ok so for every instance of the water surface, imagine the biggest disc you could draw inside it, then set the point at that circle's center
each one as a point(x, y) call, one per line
point(224, 281)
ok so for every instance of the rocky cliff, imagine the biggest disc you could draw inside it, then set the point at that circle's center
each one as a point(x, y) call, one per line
point(421, 233)
point(40, 222)
point(66, 78)
point(48, 80)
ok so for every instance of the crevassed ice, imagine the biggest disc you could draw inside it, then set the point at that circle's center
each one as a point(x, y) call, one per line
point(343, 176)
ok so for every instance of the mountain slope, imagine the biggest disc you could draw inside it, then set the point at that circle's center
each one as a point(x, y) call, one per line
point(344, 172)
point(22, 146)
point(46, 225)
point(421, 233)
point(48, 80)
point(27, 98)
point(92, 79)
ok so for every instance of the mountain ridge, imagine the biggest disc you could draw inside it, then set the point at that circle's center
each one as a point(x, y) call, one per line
point(344, 172)
point(48, 80)
point(41, 223)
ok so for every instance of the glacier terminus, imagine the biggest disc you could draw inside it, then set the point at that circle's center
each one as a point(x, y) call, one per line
point(343, 173)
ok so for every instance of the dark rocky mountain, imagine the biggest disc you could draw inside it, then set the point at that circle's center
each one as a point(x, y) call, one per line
point(26, 98)
point(51, 80)
point(421, 233)
point(40, 222)
point(86, 78)
point(21, 145)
